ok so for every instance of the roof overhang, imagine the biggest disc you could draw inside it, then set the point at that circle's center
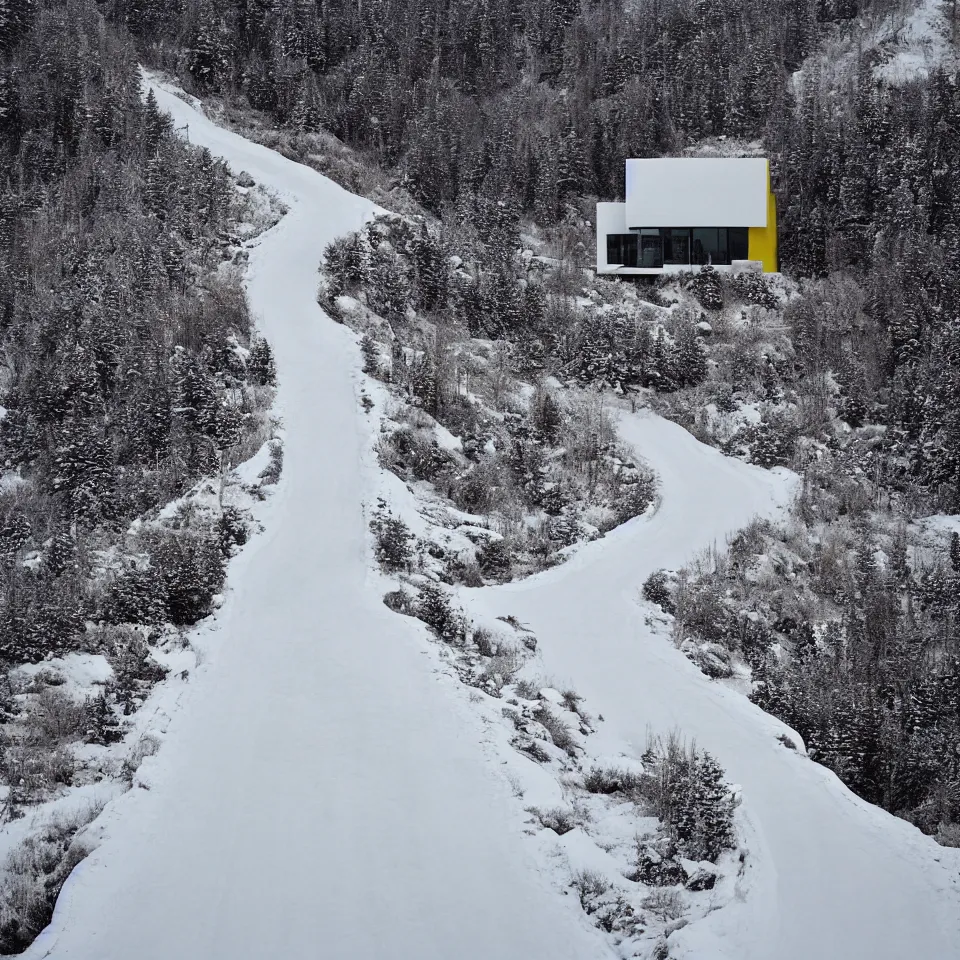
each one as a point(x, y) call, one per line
point(697, 192)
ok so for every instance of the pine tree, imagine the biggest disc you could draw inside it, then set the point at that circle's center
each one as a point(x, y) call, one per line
point(103, 727)
point(84, 469)
point(715, 805)
point(435, 610)
point(60, 554)
point(15, 19)
point(389, 290)
point(15, 531)
point(207, 57)
point(430, 271)
point(690, 356)
point(260, 365)
point(708, 288)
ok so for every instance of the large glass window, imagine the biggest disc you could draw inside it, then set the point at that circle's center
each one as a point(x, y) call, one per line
point(676, 245)
point(737, 239)
point(651, 249)
point(710, 245)
point(614, 248)
point(622, 249)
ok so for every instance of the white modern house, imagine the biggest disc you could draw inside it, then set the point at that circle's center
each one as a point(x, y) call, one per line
point(683, 212)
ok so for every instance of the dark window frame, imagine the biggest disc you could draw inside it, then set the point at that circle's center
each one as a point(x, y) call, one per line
point(652, 244)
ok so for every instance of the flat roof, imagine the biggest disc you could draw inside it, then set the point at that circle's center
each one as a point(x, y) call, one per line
point(697, 192)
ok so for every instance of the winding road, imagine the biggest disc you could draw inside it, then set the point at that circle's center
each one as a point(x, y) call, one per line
point(320, 796)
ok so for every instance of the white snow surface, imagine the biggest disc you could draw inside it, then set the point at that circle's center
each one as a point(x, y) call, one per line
point(827, 875)
point(320, 792)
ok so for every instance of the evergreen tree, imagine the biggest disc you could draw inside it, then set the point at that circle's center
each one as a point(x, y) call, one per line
point(102, 725)
point(208, 54)
point(260, 365)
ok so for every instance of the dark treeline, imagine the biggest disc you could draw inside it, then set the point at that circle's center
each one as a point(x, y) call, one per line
point(535, 106)
point(122, 349)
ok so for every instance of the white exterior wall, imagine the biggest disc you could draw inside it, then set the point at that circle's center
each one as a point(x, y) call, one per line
point(611, 218)
point(695, 192)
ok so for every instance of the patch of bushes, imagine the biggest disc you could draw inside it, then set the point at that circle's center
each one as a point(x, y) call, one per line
point(609, 780)
point(392, 538)
point(35, 872)
point(657, 589)
point(754, 288)
point(687, 792)
point(182, 575)
point(560, 733)
point(560, 820)
point(271, 472)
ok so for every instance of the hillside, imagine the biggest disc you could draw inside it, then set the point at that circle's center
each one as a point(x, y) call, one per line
point(372, 574)
point(209, 787)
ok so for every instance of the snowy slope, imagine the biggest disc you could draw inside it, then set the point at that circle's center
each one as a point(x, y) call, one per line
point(321, 795)
point(318, 794)
point(828, 875)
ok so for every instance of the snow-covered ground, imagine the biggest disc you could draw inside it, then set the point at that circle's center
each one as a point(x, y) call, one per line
point(317, 794)
point(324, 791)
point(909, 41)
point(828, 875)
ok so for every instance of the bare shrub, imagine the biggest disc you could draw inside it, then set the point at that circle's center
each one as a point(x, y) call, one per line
point(948, 834)
point(399, 601)
point(36, 870)
point(609, 780)
point(484, 639)
point(560, 733)
point(53, 718)
point(527, 689)
point(558, 819)
point(572, 700)
point(532, 749)
point(500, 670)
point(589, 886)
point(271, 472)
point(666, 904)
point(145, 746)
point(32, 769)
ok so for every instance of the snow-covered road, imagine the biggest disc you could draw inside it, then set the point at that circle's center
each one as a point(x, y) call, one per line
point(320, 795)
point(829, 876)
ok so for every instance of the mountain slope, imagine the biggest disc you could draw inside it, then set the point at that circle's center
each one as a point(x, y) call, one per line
point(318, 795)
point(828, 874)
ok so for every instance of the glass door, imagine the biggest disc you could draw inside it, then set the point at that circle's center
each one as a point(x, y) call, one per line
point(676, 246)
point(651, 249)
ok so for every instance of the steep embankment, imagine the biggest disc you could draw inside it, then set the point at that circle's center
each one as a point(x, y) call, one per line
point(828, 875)
point(317, 794)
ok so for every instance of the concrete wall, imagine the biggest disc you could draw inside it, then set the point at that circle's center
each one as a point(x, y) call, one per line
point(697, 192)
point(610, 219)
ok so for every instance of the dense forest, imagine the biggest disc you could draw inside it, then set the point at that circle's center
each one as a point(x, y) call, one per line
point(131, 371)
point(495, 116)
point(532, 108)
point(120, 339)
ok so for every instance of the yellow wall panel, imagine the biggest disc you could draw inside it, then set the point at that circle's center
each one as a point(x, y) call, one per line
point(762, 241)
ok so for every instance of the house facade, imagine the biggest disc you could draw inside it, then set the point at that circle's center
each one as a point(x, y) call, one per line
point(683, 212)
